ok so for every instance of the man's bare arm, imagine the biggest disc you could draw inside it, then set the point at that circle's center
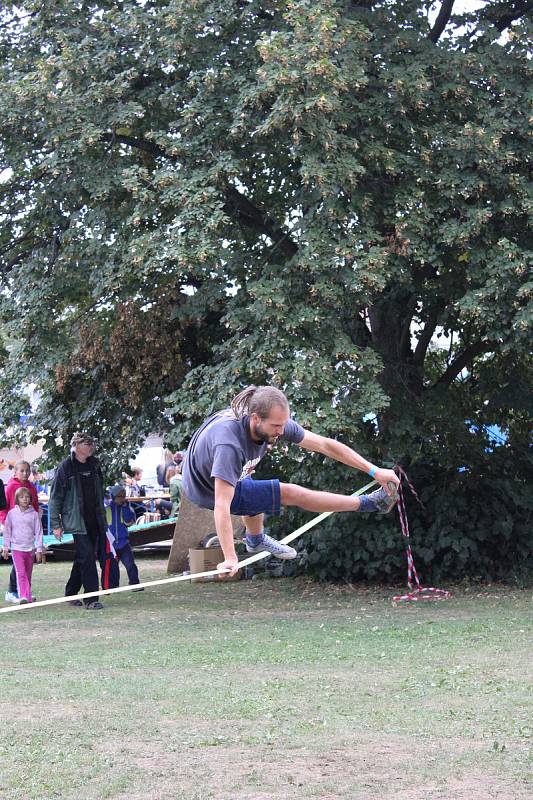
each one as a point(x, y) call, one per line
point(224, 492)
point(341, 452)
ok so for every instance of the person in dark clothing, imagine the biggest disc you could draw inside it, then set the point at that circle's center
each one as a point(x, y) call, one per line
point(77, 507)
point(120, 516)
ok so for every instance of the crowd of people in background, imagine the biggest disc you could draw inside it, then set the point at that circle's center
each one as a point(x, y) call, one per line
point(79, 504)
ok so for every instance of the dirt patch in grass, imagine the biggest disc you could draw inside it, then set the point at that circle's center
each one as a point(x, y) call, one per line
point(26, 712)
point(359, 769)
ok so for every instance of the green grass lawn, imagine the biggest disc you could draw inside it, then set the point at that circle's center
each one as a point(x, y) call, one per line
point(274, 688)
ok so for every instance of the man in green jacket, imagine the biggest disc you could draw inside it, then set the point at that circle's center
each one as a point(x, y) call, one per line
point(77, 507)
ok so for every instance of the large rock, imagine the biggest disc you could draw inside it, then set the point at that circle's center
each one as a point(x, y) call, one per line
point(193, 524)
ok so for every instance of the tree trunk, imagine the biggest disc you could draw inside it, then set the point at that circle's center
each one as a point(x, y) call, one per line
point(401, 379)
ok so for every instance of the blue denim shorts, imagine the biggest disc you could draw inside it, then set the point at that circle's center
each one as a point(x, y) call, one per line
point(256, 497)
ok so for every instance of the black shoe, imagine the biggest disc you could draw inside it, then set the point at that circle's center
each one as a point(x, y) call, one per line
point(75, 603)
point(93, 605)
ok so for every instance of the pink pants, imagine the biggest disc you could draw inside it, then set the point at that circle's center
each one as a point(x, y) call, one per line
point(23, 563)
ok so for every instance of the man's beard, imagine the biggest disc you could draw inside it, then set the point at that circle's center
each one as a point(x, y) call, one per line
point(261, 437)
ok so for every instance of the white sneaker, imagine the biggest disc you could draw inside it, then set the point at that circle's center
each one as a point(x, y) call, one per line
point(12, 597)
point(271, 545)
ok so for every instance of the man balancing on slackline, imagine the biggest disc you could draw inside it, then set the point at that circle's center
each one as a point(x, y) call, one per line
point(224, 452)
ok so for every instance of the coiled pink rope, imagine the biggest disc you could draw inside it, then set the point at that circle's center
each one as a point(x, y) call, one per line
point(418, 592)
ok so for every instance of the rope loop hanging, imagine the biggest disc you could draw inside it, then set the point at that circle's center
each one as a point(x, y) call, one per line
point(416, 590)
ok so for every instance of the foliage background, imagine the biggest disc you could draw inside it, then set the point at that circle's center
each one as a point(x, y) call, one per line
point(198, 196)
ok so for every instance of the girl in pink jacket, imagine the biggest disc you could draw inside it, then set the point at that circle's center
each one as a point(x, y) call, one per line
point(20, 478)
point(23, 535)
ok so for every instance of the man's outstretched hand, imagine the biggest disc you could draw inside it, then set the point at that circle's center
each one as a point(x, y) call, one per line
point(386, 476)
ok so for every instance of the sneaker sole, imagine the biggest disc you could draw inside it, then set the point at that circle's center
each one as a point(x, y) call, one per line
point(281, 556)
point(393, 497)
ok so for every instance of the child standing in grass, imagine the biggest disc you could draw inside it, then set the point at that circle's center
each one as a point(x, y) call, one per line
point(23, 534)
point(19, 479)
point(120, 516)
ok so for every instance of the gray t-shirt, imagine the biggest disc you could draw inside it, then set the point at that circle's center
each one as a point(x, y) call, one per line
point(223, 448)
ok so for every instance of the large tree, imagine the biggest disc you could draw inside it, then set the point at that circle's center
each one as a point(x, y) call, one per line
point(200, 195)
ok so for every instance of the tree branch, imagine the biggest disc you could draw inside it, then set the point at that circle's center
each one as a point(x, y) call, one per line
point(366, 4)
point(262, 14)
point(404, 347)
point(503, 18)
point(248, 214)
point(425, 337)
point(442, 20)
point(462, 360)
point(14, 242)
point(137, 144)
point(12, 263)
point(20, 18)
point(236, 204)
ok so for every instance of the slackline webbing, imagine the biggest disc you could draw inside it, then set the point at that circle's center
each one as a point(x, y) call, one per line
point(251, 560)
